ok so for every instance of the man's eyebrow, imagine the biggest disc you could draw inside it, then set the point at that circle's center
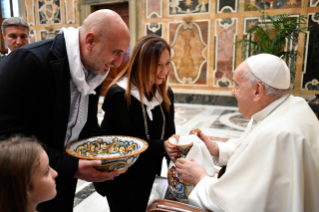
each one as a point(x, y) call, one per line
point(119, 50)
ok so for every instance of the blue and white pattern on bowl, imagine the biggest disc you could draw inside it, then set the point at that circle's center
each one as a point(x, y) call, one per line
point(116, 152)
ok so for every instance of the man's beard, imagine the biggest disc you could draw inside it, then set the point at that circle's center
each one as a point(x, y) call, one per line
point(92, 63)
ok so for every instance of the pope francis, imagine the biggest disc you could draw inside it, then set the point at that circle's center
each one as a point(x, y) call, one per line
point(274, 165)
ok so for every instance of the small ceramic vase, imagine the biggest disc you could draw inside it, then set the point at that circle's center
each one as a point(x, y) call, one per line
point(178, 188)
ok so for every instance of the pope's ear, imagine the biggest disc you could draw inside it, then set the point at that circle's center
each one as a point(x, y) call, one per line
point(90, 41)
point(259, 92)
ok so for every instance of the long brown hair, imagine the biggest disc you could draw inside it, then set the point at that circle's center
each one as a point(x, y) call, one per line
point(143, 65)
point(19, 157)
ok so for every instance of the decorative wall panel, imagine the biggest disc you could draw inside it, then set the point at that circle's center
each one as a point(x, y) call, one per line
point(225, 51)
point(154, 28)
point(202, 35)
point(189, 43)
point(226, 6)
point(49, 12)
point(154, 8)
point(32, 36)
point(275, 4)
point(70, 11)
point(314, 3)
point(48, 34)
point(47, 17)
point(29, 10)
point(310, 74)
point(187, 7)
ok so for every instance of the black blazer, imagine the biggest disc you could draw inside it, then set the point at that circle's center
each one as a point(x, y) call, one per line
point(119, 120)
point(35, 100)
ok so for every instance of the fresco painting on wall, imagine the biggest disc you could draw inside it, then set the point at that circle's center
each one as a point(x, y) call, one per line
point(225, 51)
point(70, 11)
point(189, 42)
point(154, 8)
point(226, 6)
point(29, 10)
point(49, 12)
point(154, 28)
point(186, 7)
point(48, 34)
point(310, 74)
point(275, 4)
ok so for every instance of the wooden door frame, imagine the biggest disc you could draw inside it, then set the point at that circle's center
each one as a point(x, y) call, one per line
point(134, 19)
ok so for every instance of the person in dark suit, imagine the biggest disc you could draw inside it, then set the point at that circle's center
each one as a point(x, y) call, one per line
point(44, 89)
point(138, 103)
point(15, 32)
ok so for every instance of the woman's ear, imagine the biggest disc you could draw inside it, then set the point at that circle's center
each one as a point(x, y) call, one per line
point(90, 40)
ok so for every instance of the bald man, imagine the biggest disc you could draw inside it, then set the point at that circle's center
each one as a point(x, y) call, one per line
point(46, 94)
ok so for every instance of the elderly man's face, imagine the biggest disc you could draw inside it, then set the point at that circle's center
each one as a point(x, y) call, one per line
point(107, 54)
point(16, 36)
point(243, 91)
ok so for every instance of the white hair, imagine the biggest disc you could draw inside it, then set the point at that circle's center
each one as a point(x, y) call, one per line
point(270, 91)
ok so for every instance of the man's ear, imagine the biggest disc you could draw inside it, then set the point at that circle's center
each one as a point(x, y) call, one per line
point(4, 37)
point(259, 91)
point(90, 39)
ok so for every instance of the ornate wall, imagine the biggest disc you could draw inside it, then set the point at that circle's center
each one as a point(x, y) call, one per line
point(202, 34)
point(47, 17)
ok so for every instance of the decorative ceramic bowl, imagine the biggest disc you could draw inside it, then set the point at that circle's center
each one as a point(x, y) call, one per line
point(116, 152)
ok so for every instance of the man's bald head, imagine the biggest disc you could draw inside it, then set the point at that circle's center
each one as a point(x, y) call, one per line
point(105, 24)
point(104, 38)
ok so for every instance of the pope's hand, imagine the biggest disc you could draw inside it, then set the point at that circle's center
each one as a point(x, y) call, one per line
point(87, 172)
point(210, 144)
point(171, 150)
point(189, 171)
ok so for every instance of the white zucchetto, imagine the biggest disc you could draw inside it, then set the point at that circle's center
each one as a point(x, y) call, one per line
point(271, 70)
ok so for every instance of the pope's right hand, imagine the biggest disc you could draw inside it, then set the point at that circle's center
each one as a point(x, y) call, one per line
point(210, 144)
point(87, 172)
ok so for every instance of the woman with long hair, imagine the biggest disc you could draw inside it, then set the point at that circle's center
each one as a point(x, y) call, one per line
point(139, 103)
point(26, 179)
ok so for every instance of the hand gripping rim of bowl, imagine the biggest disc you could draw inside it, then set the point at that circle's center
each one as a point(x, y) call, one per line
point(116, 152)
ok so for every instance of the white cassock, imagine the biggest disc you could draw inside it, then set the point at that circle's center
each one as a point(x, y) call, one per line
point(274, 166)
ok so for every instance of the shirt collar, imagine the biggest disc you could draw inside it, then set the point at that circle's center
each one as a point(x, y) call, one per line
point(260, 115)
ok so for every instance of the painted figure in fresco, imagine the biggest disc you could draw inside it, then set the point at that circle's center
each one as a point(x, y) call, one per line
point(269, 162)
point(15, 32)
point(138, 103)
point(26, 179)
point(56, 77)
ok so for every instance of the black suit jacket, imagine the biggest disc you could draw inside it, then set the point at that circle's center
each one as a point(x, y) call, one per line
point(137, 181)
point(35, 100)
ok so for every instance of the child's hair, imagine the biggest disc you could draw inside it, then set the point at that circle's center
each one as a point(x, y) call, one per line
point(19, 157)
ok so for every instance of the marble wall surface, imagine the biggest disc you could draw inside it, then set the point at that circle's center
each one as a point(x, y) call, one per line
point(47, 17)
point(202, 34)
